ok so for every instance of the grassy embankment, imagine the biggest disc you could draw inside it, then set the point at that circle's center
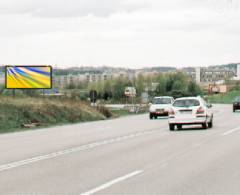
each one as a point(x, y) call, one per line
point(18, 114)
point(227, 98)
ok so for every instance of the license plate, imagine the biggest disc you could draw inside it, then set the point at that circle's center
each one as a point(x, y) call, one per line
point(186, 111)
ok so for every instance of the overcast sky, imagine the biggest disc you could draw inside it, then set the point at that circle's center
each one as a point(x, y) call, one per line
point(126, 33)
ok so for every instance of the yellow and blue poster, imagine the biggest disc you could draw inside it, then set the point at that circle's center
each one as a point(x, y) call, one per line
point(28, 77)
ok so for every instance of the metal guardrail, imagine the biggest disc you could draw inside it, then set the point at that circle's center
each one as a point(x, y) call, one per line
point(133, 108)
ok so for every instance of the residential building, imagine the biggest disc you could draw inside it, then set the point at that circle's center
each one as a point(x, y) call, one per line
point(238, 71)
point(214, 75)
point(206, 74)
point(65, 80)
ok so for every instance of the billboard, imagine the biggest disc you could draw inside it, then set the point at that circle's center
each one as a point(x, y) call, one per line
point(217, 88)
point(28, 77)
point(130, 92)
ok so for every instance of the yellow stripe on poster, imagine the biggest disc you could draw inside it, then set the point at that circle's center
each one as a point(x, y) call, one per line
point(21, 77)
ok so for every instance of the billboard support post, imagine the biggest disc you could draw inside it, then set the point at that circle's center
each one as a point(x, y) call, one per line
point(93, 97)
point(13, 93)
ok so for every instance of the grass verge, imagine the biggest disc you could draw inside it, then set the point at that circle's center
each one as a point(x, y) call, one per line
point(18, 114)
point(227, 98)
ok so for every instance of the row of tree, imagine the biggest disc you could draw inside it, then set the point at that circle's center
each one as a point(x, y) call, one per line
point(172, 84)
point(177, 85)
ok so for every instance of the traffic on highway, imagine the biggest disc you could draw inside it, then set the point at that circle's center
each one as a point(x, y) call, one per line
point(183, 111)
point(129, 155)
point(120, 97)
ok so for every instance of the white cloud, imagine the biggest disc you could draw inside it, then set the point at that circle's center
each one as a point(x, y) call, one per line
point(119, 32)
point(69, 8)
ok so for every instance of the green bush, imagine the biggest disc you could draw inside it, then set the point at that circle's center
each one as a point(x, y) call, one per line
point(105, 111)
point(227, 98)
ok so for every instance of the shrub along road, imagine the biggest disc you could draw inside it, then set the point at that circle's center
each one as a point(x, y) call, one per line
point(18, 114)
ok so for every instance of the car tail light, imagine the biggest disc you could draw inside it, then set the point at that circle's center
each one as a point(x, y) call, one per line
point(171, 112)
point(200, 110)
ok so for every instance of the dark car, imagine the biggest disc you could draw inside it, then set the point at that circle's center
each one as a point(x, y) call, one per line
point(236, 104)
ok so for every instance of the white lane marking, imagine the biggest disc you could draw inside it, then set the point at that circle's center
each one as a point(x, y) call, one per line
point(73, 150)
point(231, 131)
point(110, 183)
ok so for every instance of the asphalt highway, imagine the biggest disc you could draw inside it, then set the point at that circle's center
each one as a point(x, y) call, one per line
point(130, 155)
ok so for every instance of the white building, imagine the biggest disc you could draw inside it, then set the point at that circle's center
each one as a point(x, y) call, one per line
point(238, 71)
point(237, 76)
point(209, 75)
point(198, 75)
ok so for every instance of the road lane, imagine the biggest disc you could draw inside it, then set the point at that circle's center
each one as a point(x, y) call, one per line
point(154, 153)
point(90, 146)
point(110, 183)
point(211, 168)
point(231, 131)
point(29, 144)
point(75, 148)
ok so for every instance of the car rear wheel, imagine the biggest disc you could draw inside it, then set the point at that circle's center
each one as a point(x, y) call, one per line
point(204, 125)
point(179, 127)
point(234, 110)
point(171, 127)
point(210, 124)
point(151, 116)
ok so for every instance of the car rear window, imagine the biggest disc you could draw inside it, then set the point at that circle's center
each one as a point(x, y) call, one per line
point(162, 101)
point(186, 103)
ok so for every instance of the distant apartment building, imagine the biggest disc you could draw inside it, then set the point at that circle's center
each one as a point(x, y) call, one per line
point(205, 75)
point(124, 75)
point(95, 77)
point(213, 75)
point(238, 71)
point(66, 80)
point(237, 75)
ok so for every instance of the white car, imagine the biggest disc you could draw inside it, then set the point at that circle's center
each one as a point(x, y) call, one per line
point(190, 111)
point(160, 106)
